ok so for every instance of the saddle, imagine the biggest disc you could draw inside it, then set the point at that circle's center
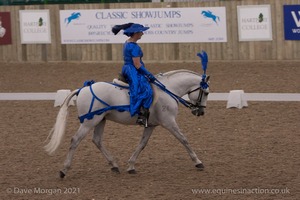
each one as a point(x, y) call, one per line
point(121, 81)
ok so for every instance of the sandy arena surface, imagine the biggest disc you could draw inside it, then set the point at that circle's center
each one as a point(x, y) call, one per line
point(250, 153)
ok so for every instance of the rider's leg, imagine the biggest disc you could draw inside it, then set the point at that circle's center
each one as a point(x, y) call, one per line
point(146, 103)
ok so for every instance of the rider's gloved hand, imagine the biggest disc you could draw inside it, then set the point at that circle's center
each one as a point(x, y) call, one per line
point(151, 77)
point(146, 73)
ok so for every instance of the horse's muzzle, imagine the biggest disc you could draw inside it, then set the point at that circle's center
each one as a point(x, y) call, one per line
point(198, 111)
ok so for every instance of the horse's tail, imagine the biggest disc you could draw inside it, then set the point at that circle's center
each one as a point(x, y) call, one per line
point(58, 130)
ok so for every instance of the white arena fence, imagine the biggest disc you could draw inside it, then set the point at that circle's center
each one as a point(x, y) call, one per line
point(211, 96)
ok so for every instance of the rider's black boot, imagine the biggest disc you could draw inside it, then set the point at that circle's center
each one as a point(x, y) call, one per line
point(143, 117)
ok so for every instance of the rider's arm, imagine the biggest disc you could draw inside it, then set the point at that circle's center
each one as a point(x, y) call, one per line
point(137, 62)
point(141, 69)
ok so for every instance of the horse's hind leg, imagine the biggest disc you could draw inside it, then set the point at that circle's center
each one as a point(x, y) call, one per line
point(144, 140)
point(174, 129)
point(76, 139)
point(97, 140)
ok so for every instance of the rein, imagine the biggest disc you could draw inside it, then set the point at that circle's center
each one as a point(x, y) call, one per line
point(203, 85)
point(174, 96)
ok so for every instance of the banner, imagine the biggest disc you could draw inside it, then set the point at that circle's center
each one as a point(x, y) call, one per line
point(291, 22)
point(5, 28)
point(167, 25)
point(35, 26)
point(254, 23)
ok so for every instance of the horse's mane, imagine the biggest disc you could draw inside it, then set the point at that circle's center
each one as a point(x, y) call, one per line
point(171, 73)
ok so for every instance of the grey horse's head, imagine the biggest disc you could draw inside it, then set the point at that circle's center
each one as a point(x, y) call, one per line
point(198, 97)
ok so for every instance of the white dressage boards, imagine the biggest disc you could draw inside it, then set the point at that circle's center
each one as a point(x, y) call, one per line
point(211, 96)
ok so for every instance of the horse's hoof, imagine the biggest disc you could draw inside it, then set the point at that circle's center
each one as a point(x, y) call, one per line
point(132, 171)
point(200, 166)
point(115, 169)
point(61, 174)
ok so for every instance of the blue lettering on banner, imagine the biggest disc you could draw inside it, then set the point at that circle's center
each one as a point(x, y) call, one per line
point(155, 14)
point(111, 15)
point(291, 22)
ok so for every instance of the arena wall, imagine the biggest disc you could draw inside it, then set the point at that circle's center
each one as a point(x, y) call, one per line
point(233, 49)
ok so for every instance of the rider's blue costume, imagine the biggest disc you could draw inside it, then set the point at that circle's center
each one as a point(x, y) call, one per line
point(139, 87)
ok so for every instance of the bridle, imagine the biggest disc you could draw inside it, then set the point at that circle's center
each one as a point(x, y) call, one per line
point(200, 95)
point(204, 85)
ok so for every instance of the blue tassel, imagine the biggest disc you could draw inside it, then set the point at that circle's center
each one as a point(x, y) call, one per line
point(204, 60)
point(88, 83)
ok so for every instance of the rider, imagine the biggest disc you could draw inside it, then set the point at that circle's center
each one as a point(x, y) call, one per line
point(135, 72)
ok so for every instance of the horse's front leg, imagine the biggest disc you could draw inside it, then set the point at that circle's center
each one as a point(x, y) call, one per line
point(174, 129)
point(143, 142)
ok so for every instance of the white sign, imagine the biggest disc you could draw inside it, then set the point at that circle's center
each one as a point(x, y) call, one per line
point(255, 23)
point(35, 26)
point(167, 25)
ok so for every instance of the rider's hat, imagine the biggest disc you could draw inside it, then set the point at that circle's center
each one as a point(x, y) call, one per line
point(135, 28)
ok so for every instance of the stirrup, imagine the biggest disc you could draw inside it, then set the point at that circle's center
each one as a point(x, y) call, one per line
point(143, 117)
point(142, 122)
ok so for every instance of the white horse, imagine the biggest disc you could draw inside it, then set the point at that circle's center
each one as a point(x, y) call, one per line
point(94, 103)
